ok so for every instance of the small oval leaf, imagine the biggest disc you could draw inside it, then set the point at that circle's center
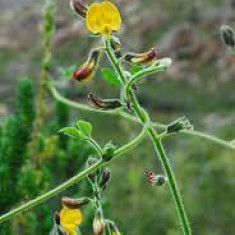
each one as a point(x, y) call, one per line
point(110, 76)
point(85, 128)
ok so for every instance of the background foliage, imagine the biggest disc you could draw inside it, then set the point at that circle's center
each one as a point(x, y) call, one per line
point(199, 85)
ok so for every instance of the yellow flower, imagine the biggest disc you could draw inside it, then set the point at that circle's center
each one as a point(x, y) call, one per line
point(103, 18)
point(70, 219)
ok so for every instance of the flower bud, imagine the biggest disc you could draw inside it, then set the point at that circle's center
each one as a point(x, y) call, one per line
point(156, 180)
point(103, 104)
point(74, 203)
point(142, 58)
point(108, 152)
point(105, 178)
point(116, 45)
point(98, 223)
point(227, 35)
point(178, 125)
point(79, 7)
point(88, 69)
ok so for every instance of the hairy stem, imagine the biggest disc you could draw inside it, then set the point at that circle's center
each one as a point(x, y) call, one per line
point(129, 117)
point(39, 200)
point(95, 145)
point(143, 118)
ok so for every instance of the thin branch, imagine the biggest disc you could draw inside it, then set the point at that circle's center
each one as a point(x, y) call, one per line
point(41, 199)
point(144, 120)
point(129, 117)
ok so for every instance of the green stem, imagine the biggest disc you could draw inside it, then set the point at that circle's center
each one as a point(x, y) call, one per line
point(39, 200)
point(141, 114)
point(129, 117)
point(96, 146)
point(214, 139)
point(97, 195)
point(139, 76)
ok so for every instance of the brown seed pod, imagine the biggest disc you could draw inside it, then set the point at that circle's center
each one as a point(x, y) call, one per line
point(79, 7)
point(74, 203)
point(88, 69)
point(103, 104)
point(142, 58)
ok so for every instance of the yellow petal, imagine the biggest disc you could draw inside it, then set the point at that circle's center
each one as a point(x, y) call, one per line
point(70, 219)
point(94, 18)
point(111, 15)
point(103, 18)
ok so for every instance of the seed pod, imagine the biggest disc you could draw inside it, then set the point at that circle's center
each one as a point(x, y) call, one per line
point(156, 180)
point(142, 58)
point(227, 35)
point(99, 224)
point(88, 69)
point(74, 203)
point(103, 104)
point(178, 125)
point(79, 7)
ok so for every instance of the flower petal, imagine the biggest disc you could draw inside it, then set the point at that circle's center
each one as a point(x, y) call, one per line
point(111, 15)
point(70, 219)
point(103, 18)
point(94, 18)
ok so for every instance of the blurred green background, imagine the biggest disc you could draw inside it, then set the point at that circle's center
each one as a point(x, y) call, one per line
point(200, 84)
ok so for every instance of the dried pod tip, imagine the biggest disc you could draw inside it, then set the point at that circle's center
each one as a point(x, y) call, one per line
point(227, 35)
point(88, 69)
point(150, 176)
point(178, 125)
point(79, 7)
point(98, 223)
point(74, 203)
point(103, 104)
point(156, 180)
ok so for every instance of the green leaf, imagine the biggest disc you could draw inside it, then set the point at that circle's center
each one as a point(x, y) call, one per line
point(85, 128)
point(67, 72)
point(71, 131)
point(110, 76)
point(135, 69)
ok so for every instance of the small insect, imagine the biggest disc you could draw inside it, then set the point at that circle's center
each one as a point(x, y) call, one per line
point(155, 180)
